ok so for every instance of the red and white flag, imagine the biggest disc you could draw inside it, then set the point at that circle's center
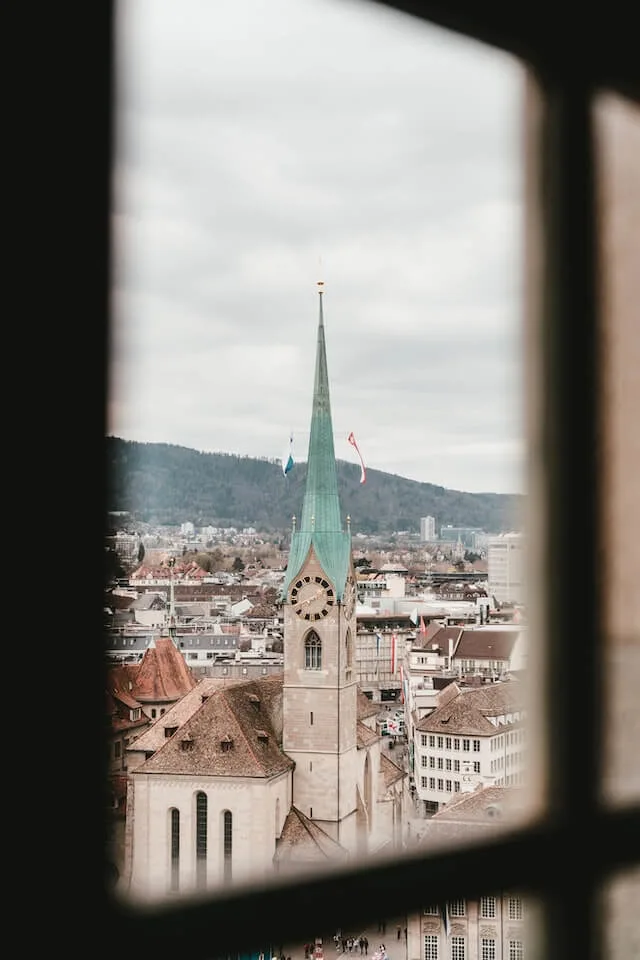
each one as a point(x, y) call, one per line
point(393, 653)
point(363, 473)
point(423, 629)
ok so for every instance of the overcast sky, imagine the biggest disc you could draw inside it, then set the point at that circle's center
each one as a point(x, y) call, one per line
point(263, 145)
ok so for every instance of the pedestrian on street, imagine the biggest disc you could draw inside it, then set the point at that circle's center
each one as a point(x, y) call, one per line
point(399, 931)
point(366, 944)
point(344, 944)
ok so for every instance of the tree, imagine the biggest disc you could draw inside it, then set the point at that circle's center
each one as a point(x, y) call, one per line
point(141, 552)
point(238, 565)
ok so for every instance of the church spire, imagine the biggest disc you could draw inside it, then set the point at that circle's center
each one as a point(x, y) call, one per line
point(321, 507)
point(320, 526)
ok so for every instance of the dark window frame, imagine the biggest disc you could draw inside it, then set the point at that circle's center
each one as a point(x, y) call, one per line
point(571, 64)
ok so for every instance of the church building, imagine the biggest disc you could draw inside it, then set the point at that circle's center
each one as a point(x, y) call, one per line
point(238, 780)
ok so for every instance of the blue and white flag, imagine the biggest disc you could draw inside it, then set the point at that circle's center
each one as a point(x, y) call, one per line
point(287, 460)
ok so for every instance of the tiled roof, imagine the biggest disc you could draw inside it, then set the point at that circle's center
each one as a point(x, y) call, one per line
point(366, 708)
point(390, 771)
point(365, 736)
point(200, 746)
point(485, 811)
point(163, 673)
point(155, 737)
point(440, 636)
point(483, 804)
point(466, 713)
point(302, 839)
point(486, 644)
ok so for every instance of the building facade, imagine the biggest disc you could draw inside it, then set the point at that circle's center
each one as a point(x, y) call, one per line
point(505, 562)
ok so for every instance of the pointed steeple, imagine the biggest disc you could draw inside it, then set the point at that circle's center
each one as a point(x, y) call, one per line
point(321, 507)
point(320, 525)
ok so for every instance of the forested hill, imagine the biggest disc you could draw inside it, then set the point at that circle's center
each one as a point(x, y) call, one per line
point(161, 483)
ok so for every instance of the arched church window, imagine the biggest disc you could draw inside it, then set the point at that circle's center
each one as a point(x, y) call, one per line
point(312, 651)
point(175, 849)
point(201, 839)
point(227, 844)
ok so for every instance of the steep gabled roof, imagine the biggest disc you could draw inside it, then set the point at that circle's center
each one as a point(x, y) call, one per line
point(466, 713)
point(303, 840)
point(390, 772)
point(232, 733)
point(163, 673)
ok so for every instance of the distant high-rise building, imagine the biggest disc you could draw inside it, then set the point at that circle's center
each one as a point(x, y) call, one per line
point(505, 567)
point(427, 529)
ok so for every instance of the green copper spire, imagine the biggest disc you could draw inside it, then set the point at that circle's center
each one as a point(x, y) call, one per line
point(321, 507)
point(320, 525)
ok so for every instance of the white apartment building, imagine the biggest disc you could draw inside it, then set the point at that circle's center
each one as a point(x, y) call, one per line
point(505, 556)
point(427, 529)
point(473, 738)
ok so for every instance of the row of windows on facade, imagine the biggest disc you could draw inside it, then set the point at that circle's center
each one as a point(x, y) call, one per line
point(488, 947)
point(436, 742)
point(201, 845)
point(488, 908)
point(448, 743)
point(440, 763)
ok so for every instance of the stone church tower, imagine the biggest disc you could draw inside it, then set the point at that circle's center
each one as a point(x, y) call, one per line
point(320, 693)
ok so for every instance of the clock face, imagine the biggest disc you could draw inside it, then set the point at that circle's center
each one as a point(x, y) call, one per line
point(349, 598)
point(312, 598)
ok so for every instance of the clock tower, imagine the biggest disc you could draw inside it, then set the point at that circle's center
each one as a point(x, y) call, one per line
point(318, 596)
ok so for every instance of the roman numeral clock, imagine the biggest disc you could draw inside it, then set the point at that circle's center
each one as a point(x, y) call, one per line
point(312, 598)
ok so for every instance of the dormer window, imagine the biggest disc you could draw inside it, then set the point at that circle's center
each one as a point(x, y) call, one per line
point(255, 700)
point(226, 744)
point(169, 731)
point(187, 743)
point(263, 736)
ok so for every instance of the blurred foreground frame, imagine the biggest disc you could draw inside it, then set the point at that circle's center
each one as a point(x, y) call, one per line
point(568, 62)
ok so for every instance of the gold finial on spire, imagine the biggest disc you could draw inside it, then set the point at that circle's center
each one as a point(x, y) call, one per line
point(293, 521)
point(320, 282)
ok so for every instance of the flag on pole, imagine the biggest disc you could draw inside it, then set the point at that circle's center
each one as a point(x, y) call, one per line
point(393, 653)
point(423, 629)
point(363, 472)
point(413, 616)
point(287, 460)
point(401, 684)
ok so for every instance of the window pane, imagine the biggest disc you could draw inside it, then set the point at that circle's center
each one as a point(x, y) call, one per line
point(242, 154)
point(618, 137)
point(620, 900)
